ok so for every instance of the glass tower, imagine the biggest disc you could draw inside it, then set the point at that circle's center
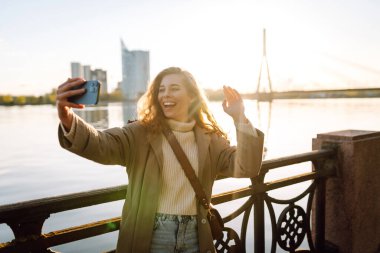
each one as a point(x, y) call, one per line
point(136, 70)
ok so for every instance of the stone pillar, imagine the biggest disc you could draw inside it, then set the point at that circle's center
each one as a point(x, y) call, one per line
point(352, 220)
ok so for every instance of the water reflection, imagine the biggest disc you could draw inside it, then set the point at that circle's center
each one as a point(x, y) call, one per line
point(96, 116)
point(129, 111)
point(99, 116)
point(264, 116)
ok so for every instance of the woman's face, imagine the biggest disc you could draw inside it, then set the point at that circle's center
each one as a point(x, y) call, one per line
point(174, 98)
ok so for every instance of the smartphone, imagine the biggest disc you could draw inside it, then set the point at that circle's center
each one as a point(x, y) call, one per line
point(90, 96)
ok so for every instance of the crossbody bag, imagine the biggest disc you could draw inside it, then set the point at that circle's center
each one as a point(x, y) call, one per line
point(213, 216)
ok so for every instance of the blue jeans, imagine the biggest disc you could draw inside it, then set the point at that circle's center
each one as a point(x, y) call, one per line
point(175, 234)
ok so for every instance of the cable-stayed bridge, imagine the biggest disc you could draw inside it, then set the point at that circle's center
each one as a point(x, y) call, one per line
point(264, 92)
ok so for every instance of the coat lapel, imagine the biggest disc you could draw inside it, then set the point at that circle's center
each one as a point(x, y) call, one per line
point(203, 142)
point(155, 141)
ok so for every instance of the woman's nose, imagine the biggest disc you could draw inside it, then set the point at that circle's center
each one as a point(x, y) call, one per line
point(167, 93)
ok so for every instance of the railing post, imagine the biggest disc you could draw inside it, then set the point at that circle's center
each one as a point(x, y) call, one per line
point(352, 199)
point(27, 230)
point(258, 214)
point(259, 229)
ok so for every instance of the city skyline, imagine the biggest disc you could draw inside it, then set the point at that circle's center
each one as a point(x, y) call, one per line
point(310, 44)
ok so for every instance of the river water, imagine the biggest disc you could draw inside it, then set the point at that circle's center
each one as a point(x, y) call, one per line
point(33, 165)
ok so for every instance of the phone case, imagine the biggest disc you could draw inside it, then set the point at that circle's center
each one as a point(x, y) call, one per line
point(91, 95)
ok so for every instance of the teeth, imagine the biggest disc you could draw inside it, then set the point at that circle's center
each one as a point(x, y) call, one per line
point(169, 103)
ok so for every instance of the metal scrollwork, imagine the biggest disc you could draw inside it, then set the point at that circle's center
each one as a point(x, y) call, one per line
point(291, 227)
point(229, 243)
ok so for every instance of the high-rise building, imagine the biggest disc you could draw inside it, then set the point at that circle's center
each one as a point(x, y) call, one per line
point(76, 70)
point(87, 72)
point(101, 75)
point(136, 70)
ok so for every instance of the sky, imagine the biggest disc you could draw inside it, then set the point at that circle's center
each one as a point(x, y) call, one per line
point(310, 44)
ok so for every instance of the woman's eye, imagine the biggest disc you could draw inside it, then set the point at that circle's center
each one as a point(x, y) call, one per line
point(161, 90)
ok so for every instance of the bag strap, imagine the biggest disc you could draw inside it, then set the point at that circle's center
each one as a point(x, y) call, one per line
point(186, 166)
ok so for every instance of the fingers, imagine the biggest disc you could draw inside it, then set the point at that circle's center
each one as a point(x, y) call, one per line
point(70, 83)
point(231, 94)
point(63, 95)
point(67, 89)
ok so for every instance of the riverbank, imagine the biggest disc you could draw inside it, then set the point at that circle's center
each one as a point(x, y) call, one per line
point(212, 95)
point(215, 95)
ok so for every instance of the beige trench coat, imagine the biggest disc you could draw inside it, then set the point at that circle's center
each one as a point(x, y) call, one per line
point(132, 146)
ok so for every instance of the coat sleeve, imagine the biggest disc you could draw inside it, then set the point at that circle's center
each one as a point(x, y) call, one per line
point(111, 146)
point(243, 160)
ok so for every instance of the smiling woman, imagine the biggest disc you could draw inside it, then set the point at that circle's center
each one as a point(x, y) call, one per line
point(161, 207)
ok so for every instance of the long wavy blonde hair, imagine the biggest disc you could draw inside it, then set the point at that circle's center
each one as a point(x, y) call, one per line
point(150, 113)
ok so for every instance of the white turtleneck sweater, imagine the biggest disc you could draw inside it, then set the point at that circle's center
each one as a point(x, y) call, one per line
point(176, 194)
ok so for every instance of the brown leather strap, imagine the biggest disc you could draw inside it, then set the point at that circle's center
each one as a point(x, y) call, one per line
point(186, 166)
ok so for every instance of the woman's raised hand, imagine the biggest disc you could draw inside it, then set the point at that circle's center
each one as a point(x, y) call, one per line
point(65, 91)
point(233, 104)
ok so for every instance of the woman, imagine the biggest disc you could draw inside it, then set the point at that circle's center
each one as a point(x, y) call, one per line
point(160, 213)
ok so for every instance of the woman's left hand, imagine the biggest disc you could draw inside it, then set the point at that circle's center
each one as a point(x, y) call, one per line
point(233, 104)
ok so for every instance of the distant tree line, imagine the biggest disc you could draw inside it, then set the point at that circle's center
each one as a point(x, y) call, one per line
point(50, 98)
point(212, 95)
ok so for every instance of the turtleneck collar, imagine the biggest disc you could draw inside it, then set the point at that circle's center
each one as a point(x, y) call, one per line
point(181, 126)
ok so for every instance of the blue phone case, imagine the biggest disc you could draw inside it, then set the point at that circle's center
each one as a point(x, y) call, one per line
point(91, 95)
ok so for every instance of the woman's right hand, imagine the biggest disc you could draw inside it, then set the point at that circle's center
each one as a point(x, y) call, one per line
point(65, 91)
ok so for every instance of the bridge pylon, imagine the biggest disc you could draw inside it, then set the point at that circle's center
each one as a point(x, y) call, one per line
point(264, 96)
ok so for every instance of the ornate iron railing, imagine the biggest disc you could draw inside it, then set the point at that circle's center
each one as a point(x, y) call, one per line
point(289, 229)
